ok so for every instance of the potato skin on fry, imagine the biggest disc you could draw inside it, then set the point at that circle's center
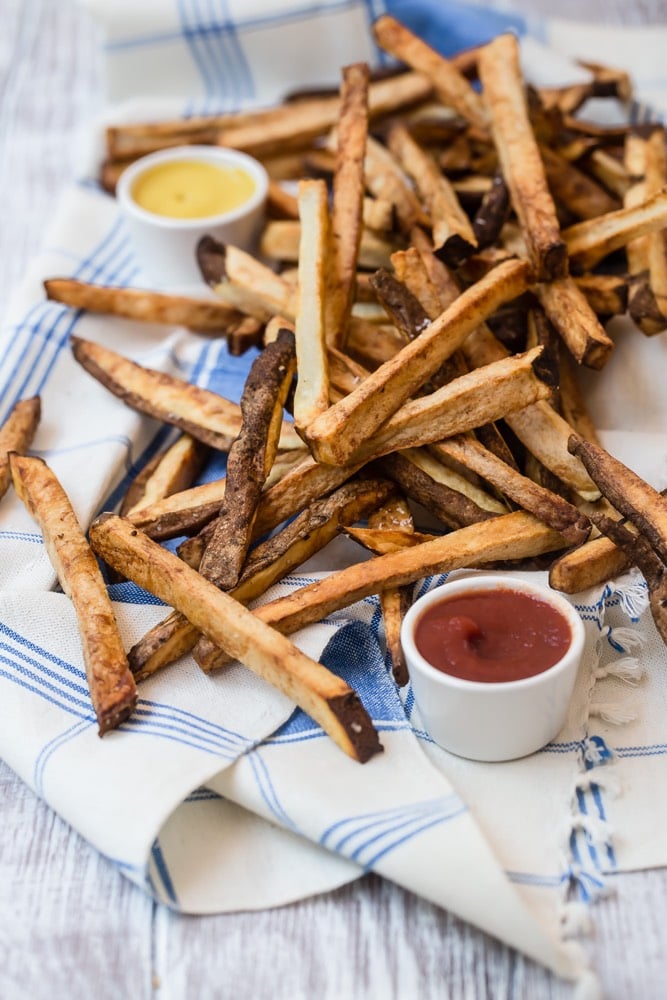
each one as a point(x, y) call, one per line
point(112, 687)
point(16, 435)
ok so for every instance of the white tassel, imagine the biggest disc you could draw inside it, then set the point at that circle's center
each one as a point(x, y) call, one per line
point(614, 714)
point(627, 668)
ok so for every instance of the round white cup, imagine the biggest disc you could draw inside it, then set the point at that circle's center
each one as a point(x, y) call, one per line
point(492, 721)
point(166, 247)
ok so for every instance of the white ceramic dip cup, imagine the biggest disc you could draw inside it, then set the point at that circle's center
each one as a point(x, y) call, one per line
point(166, 247)
point(492, 721)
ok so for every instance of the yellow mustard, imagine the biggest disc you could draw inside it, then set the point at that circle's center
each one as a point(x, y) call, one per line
point(192, 189)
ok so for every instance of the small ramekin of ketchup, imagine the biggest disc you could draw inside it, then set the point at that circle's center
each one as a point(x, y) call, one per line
point(171, 198)
point(493, 661)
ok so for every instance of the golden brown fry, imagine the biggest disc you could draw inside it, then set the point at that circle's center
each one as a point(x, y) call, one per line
point(452, 231)
point(268, 563)
point(449, 83)
point(571, 402)
point(395, 601)
point(583, 197)
point(168, 472)
point(243, 281)
point(292, 125)
point(519, 156)
point(203, 315)
point(250, 459)
point(382, 541)
point(347, 201)
point(549, 507)
point(205, 415)
point(510, 536)
point(16, 434)
point(588, 565)
point(478, 397)
point(322, 695)
point(280, 241)
point(627, 492)
point(416, 476)
point(568, 309)
point(337, 434)
point(385, 179)
point(111, 685)
point(588, 242)
point(311, 396)
point(607, 294)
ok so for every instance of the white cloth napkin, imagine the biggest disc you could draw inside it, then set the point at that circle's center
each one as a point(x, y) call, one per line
point(508, 847)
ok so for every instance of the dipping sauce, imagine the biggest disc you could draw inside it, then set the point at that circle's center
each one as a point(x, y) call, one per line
point(192, 189)
point(492, 636)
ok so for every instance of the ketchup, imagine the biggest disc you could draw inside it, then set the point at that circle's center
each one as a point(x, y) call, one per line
point(492, 636)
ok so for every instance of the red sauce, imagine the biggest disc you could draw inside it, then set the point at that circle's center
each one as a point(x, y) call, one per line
point(493, 636)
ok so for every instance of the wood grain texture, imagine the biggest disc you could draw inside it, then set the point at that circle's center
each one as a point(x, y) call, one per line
point(72, 927)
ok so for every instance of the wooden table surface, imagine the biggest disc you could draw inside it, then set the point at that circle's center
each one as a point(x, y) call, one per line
point(70, 925)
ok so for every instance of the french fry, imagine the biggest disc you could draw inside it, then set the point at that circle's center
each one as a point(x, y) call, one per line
point(243, 281)
point(590, 241)
point(269, 562)
point(382, 541)
point(169, 472)
point(449, 83)
point(110, 682)
point(509, 536)
point(205, 415)
point(291, 125)
point(575, 190)
point(337, 434)
point(250, 459)
point(202, 315)
point(452, 506)
point(627, 492)
point(311, 396)
point(606, 294)
point(16, 435)
point(347, 201)
point(579, 328)
point(385, 179)
point(322, 695)
point(587, 565)
point(549, 507)
point(280, 241)
point(520, 161)
point(492, 213)
point(394, 601)
point(453, 234)
point(478, 397)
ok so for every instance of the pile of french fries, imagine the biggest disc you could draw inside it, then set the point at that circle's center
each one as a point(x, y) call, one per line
point(424, 294)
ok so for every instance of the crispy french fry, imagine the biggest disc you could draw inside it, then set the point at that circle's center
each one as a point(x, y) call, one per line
point(243, 281)
point(627, 492)
point(478, 397)
point(449, 83)
point(549, 507)
point(250, 459)
point(607, 294)
point(382, 541)
point(111, 685)
point(169, 472)
point(521, 164)
point(16, 434)
point(322, 695)
point(588, 242)
point(568, 309)
point(205, 415)
point(337, 434)
point(269, 562)
point(510, 536)
point(582, 196)
point(311, 396)
point(347, 201)
point(588, 565)
point(280, 241)
point(394, 601)
point(453, 234)
point(203, 315)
